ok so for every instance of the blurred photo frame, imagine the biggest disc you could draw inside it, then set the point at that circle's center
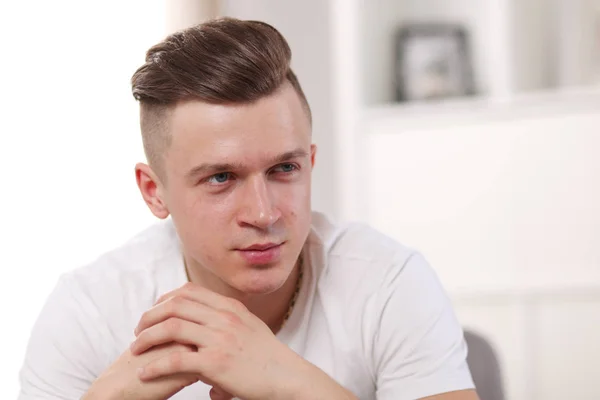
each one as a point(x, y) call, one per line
point(433, 61)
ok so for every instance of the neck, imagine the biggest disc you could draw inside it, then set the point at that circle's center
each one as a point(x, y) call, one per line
point(271, 308)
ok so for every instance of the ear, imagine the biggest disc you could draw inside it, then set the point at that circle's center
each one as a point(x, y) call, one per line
point(313, 153)
point(151, 190)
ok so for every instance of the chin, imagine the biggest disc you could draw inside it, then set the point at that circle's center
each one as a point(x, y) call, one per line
point(261, 281)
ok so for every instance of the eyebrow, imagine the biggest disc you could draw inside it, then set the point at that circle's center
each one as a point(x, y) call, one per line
point(226, 167)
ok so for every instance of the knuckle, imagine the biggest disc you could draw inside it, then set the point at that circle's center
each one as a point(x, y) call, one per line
point(173, 304)
point(173, 325)
point(176, 361)
point(236, 305)
point(232, 319)
point(229, 339)
point(143, 320)
point(142, 339)
point(219, 361)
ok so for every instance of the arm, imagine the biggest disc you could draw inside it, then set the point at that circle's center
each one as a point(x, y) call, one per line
point(120, 380)
point(458, 395)
point(313, 384)
point(419, 351)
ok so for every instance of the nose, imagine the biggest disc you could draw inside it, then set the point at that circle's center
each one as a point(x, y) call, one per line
point(258, 208)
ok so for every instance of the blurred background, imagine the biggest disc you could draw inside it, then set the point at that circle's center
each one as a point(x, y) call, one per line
point(467, 129)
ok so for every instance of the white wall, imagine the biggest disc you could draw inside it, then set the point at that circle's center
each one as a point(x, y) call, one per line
point(307, 27)
point(503, 201)
point(70, 140)
point(578, 46)
point(534, 35)
point(180, 14)
point(378, 28)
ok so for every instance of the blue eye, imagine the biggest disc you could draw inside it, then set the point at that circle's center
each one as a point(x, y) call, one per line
point(285, 168)
point(221, 177)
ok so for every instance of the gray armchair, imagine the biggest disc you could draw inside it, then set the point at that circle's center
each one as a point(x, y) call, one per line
point(485, 367)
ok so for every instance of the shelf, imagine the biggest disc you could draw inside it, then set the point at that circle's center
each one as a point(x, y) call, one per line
point(474, 110)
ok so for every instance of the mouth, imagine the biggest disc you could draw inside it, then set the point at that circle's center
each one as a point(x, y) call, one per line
point(261, 253)
point(260, 247)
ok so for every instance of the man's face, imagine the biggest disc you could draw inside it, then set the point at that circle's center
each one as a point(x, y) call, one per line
point(239, 185)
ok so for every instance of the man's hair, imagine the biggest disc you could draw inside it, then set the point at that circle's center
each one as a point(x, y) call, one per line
point(222, 61)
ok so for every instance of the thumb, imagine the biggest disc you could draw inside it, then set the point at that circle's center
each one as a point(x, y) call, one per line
point(216, 393)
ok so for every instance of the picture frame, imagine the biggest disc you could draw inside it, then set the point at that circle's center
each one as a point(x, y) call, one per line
point(433, 61)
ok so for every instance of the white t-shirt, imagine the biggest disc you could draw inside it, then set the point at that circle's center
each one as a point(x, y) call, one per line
point(371, 313)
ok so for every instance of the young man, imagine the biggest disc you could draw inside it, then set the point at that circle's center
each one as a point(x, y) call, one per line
point(243, 292)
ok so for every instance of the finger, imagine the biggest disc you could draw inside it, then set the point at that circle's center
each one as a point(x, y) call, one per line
point(204, 296)
point(216, 393)
point(172, 330)
point(177, 307)
point(178, 362)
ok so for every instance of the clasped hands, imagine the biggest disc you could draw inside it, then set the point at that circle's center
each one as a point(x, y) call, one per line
point(232, 350)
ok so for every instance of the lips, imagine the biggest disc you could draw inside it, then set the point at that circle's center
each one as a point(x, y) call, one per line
point(260, 247)
point(262, 254)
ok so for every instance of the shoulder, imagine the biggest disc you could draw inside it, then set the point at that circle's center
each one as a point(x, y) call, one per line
point(122, 283)
point(355, 252)
point(146, 250)
point(137, 263)
point(360, 268)
point(388, 302)
point(89, 317)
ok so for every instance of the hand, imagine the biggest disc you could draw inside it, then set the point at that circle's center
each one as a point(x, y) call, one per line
point(236, 352)
point(121, 382)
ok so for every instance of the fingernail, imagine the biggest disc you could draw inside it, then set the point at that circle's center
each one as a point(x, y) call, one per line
point(140, 372)
point(132, 346)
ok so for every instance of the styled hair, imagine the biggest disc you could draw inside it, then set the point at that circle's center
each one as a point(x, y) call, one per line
point(221, 61)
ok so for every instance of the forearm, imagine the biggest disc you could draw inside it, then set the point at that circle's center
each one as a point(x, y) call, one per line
point(120, 381)
point(312, 383)
point(95, 393)
point(321, 386)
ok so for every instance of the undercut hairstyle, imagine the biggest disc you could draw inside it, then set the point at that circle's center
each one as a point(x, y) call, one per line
point(221, 61)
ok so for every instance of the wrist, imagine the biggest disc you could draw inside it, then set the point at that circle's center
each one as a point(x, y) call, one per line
point(305, 381)
point(103, 392)
point(288, 375)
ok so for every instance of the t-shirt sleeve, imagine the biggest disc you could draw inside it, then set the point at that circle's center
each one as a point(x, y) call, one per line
point(419, 348)
point(63, 355)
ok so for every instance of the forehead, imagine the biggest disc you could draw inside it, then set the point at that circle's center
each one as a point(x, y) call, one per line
point(202, 132)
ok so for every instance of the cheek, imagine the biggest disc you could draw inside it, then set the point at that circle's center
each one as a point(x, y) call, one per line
point(205, 229)
point(294, 201)
point(212, 214)
point(201, 218)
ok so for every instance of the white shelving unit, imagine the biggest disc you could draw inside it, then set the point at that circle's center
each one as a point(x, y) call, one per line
point(526, 54)
point(500, 191)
